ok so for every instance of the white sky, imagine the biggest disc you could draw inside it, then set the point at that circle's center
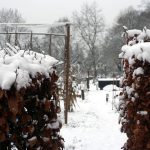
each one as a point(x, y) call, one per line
point(48, 11)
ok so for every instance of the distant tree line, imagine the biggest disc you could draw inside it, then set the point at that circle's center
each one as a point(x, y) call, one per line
point(94, 48)
point(132, 19)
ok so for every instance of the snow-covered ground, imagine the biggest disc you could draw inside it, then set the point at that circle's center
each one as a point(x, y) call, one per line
point(94, 124)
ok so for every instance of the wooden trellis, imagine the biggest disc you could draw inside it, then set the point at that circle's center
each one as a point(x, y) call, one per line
point(66, 56)
point(31, 37)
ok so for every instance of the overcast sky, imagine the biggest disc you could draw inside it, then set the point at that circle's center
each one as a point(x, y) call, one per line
point(48, 11)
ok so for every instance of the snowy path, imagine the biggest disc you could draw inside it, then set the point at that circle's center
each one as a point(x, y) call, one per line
point(93, 125)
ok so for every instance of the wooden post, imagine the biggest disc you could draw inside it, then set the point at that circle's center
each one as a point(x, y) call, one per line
point(67, 72)
point(82, 94)
point(16, 39)
point(88, 84)
point(50, 43)
point(31, 45)
point(113, 85)
point(8, 37)
point(105, 70)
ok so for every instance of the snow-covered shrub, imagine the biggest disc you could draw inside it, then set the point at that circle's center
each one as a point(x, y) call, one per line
point(28, 101)
point(135, 96)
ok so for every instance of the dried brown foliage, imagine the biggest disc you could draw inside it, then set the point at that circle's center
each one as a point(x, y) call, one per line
point(28, 117)
point(135, 123)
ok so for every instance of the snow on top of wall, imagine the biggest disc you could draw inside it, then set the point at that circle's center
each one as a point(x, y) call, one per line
point(18, 66)
point(140, 51)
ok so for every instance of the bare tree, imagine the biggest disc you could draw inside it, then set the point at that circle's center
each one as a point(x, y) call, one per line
point(89, 23)
point(10, 16)
point(54, 45)
point(112, 43)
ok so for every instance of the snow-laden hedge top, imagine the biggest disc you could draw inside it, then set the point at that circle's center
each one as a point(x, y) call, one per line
point(133, 32)
point(139, 34)
point(134, 103)
point(18, 65)
point(140, 51)
point(138, 45)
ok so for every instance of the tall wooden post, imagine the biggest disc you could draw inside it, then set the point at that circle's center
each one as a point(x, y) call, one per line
point(16, 39)
point(8, 36)
point(67, 72)
point(50, 44)
point(88, 84)
point(31, 45)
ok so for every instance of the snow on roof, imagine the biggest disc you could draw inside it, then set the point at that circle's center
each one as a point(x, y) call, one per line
point(141, 51)
point(108, 79)
point(18, 66)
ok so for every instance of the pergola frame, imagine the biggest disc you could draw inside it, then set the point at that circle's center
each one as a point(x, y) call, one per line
point(66, 52)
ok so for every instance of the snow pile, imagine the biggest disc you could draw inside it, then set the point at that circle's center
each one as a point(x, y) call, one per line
point(16, 66)
point(111, 87)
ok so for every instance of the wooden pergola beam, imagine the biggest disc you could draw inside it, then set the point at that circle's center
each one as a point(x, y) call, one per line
point(35, 33)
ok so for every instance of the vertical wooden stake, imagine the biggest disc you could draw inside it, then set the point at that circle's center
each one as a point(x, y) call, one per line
point(16, 39)
point(31, 45)
point(50, 44)
point(67, 72)
point(88, 80)
point(7, 37)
